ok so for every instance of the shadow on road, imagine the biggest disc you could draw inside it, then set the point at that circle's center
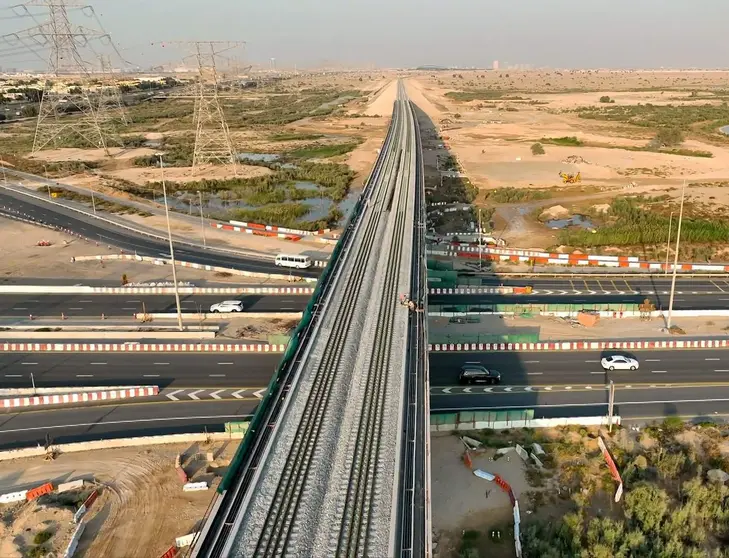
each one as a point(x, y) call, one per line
point(448, 197)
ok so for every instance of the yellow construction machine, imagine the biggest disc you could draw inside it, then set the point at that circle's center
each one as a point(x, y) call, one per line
point(570, 178)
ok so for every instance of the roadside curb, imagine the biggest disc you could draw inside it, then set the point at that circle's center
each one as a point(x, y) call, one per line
point(548, 258)
point(75, 289)
point(82, 397)
point(578, 346)
point(163, 261)
point(122, 443)
point(138, 348)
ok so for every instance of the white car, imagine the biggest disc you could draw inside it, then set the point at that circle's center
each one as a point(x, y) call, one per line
point(227, 306)
point(619, 362)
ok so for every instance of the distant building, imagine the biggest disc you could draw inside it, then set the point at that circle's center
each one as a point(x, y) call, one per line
point(495, 65)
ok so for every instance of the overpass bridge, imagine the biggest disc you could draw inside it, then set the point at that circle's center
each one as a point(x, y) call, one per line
point(337, 460)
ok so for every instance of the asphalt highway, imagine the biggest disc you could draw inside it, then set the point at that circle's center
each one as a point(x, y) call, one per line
point(115, 369)
point(118, 421)
point(129, 241)
point(632, 404)
point(575, 368)
point(52, 305)
point(618, 285)
point(681, 301)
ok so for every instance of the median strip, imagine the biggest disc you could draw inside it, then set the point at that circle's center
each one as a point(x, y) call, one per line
point(81, 397)
point(139, 348)
point(578, 346)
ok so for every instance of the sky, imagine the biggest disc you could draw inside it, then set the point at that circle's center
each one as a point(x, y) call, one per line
point(408, 33)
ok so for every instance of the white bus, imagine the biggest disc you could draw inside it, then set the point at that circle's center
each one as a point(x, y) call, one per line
point(299, 262)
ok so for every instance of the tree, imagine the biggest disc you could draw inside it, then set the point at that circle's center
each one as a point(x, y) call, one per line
point(537, 149)
point(606, 99)
point(668, 137)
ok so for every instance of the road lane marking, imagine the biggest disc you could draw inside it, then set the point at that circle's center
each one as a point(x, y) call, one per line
point(215, 395)
point(75, 308)
point(598, 372)
point(13, 375)
point(29, 363)
point(217, 375)
point(534, 373)
point(82, 301)
point(659, 372)
point(193, 394)
point(84, 375)
point(721, 370)
point(150, 375)
point(237, 394)
point(127, 308)
point(592, 361)
point(128, 301)
point(226, 363)
point(712, 359)
point(171, 395)
point(653, 360)
point(97, 363)
point(20, 308)
point(531, 362)
point(161, 363)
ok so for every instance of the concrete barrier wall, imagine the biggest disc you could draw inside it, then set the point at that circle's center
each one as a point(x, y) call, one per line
point(116, 334)
point(721, 343)
point(533, 423)
point(161, 261)
point(123, 443)
point(80, 289)
point(222, 316)
point(73, 544)
point(141, 347)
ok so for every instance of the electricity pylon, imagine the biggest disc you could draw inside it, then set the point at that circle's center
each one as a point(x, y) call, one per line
point(92, 113)
point(212, 136)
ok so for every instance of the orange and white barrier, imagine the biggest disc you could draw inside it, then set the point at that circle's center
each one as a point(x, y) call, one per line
point(83, 397)
point(578, 346)
point(139, 348)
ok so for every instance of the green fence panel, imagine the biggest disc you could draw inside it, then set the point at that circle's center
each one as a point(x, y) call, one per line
point(278, 339)
point(236, 427)
point(439, 265)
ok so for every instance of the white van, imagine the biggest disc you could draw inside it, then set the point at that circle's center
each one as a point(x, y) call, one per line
point(299, 262)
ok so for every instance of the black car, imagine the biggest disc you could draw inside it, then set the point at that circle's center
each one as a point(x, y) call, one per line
point(477, 374)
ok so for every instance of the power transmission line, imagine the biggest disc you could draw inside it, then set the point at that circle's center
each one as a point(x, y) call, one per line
point(89, 109)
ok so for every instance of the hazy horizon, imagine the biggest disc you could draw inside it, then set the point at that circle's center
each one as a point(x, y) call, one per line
point(650, 34)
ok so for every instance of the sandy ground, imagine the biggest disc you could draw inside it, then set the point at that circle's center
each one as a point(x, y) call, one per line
point(383, 102)
point(462, 501)
point(78, 154)
point(555, 329)
point(142, 507)
point(22, 258)
point(491, 139)
point(142, 175)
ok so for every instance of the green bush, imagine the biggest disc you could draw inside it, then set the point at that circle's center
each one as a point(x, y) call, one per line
point(42, 537)
point(537, 149)
point(516, 195)
point(571, 141)
point(631, 225)
point(668, 137)
point(320, 151)
point(606, 99)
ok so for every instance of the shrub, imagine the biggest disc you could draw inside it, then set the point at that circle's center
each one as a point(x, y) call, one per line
point(668, 137)
point(537, 149)
point(606, 99)
point(571, 141)
point(42, 537)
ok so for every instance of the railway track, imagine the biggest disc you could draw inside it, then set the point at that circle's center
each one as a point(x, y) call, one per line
point(321, 478)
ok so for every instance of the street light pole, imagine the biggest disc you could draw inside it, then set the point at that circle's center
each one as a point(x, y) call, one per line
point(480, 242)
point(675, 259)
point(611, 405)
point(668, 242)
point(202, 219)
point(93, 199)
point(172, 252)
